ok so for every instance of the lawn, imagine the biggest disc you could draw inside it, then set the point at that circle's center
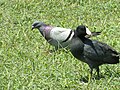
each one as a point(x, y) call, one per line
point(26, 64)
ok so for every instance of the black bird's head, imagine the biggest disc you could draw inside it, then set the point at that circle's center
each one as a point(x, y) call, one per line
point(37, 24)
point(82, 31)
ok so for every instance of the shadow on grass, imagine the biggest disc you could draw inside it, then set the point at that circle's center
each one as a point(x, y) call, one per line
point(111, 72)
point(86, 78)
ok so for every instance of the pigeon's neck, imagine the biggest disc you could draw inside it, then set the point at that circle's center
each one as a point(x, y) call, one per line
point(45, 28)
point(45, 31)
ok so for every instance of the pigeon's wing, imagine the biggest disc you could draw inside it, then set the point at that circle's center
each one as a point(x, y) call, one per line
point(59, 34)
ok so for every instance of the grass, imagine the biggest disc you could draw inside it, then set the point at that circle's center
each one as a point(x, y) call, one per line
point(25, 63)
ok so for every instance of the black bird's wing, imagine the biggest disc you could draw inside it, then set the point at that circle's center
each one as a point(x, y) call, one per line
point(76, 47)
point(100, 52)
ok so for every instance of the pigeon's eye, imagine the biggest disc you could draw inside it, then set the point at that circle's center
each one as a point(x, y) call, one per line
point(35, 24)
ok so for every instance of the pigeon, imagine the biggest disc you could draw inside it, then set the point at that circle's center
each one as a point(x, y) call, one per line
point(57, 36)
point(92, 52)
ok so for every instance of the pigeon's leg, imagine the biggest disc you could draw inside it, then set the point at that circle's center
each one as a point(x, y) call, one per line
point(56, 48)
point(53, 50)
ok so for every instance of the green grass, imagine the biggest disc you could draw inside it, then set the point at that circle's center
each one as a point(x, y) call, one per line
point(25, 63)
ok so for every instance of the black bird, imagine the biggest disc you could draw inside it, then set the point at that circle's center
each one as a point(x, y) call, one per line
point(92, 52)
point(57, 36)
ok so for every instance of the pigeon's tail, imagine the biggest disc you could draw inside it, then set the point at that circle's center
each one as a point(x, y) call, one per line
point(93, 34)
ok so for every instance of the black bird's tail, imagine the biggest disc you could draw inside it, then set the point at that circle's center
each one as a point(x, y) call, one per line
point(115, 59)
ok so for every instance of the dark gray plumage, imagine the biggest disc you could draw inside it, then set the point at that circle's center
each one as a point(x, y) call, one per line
point(92, 52)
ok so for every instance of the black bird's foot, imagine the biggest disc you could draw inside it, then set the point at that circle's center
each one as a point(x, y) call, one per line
point(99, 77)
point(51, 51)
point(84, 79)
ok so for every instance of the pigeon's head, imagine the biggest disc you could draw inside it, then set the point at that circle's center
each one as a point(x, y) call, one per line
point(82, 31)
point(37, 24)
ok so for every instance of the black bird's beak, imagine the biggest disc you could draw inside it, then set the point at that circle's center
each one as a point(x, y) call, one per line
point(33, 27)
point(96, 33)
point(93, 34)
point(88, 32)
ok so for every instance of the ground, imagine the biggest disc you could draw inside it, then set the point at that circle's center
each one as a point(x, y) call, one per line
point(26, 64)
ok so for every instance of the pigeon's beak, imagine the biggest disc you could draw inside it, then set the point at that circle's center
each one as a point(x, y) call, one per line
point(33, 27)
point(88, 32)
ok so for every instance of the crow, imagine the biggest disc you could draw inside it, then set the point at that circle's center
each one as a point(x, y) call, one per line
point(92, 52)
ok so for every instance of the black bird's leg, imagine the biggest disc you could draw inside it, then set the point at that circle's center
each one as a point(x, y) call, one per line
point(91, 71)
point(90, 75)
point(97, 69)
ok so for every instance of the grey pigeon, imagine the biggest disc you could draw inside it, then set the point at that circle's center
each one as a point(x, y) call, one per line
point(92, 52)
point(57, 36)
